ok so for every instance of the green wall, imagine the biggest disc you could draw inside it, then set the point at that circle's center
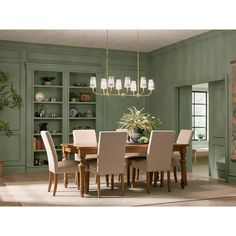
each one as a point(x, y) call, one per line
point(203, 58)
point(14, 56)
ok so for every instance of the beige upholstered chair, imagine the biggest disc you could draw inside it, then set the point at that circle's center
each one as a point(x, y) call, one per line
point(128, 158)
point(56, 167)
point(184, 137)
point(110, 158)
point(86, 136)
point(158, 158)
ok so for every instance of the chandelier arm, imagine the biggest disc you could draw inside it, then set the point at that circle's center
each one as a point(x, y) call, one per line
point(97, 92)
point(107, 55)
point(138, 72)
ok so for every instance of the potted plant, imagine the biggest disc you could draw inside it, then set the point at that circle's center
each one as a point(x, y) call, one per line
point(8, 98)
point(139, 124)
point(73, 97)
point(48, 80)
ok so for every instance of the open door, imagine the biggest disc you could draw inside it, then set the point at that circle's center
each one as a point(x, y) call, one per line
point(185, 116)
point(218, 129)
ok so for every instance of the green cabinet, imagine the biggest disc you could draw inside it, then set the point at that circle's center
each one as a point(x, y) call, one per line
point(64, 104)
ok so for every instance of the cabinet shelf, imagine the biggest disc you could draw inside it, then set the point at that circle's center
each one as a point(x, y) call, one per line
point(47, 102)
point(83, 103)
point(48, 118)
point(82, 118)
point(80, 87)
point(48, 86)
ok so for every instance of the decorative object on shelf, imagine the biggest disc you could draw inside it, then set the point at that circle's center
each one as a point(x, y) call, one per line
point(73, 112)
point(137, 123)
point(42, 111)
point(133, 88)
point(39, 96)
point(48, 80)
point(80, 84)
point(36, 161)
point(85, 97)
point(8, 98)
point(74, 97)
point(89, 113)
point(53, 99)
point(43, 126)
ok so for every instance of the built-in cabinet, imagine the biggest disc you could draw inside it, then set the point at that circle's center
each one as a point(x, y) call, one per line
point(60, 105)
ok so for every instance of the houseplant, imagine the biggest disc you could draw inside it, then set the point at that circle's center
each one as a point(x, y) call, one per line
point(138, 124)
point(8, 98)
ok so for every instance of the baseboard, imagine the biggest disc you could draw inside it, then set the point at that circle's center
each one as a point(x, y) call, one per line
point(36, 169)
point(231, 179)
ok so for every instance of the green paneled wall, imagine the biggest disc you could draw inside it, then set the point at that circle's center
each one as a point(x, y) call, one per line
point(203, 58)
point(14, 55)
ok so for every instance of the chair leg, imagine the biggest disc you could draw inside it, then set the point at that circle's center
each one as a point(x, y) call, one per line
point(122, 186)
point(175, 174)
point(155, 178)
point(107, 180)
point(55, 184)
point(148, 181)
point(112, 182)
point(128, 175)
point(151, 177)
point(78, 180)
point(98, 186)
point(133, 177)
point(137, 174)
point(162, 179)
point(168, 180)
point(65, 180)
point(49, 181)
point(86, 184)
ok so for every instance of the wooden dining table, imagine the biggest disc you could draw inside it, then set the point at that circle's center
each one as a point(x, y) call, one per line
point(84, 150)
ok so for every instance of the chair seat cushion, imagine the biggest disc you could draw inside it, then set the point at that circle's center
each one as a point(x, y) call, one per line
point(67, 166)
point(175, 160)
point(139, 163)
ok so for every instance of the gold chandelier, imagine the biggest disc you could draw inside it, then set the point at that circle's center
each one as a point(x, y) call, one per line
point(132, 88)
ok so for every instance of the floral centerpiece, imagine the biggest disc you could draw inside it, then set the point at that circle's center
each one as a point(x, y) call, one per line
point(139, 124)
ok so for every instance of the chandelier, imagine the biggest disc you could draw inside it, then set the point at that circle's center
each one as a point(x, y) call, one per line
point(131, 88)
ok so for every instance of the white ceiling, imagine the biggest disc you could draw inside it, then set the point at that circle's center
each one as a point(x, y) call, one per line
point(118, 39)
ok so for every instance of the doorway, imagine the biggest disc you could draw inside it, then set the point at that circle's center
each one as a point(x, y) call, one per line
point(208, 116)
point(200, 126)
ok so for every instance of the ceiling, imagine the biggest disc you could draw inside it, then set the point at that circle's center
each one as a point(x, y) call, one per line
point(118, 39)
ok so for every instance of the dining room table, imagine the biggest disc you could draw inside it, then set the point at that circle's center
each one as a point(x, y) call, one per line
point(85, 149)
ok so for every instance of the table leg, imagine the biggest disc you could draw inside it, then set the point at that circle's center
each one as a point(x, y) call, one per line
point(82, 177)
point(65, 157)
point(183, 181)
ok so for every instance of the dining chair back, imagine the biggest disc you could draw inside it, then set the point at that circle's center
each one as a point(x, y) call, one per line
point(86, 136)
point(159, 151)
point(111, 152)
point(185, 136)
point(51, 151)
point(57, 167)
point(124, 130)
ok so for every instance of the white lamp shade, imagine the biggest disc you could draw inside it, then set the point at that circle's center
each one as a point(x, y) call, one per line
point(93, 83)
point(103, 83)
point(143, 82)
point(133, 87)
point(111, 82)
point(118, 84)
point(151, 84)
point(127, 82)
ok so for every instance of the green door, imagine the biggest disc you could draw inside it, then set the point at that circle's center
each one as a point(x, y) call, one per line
point(218, 129)
point(185, 116)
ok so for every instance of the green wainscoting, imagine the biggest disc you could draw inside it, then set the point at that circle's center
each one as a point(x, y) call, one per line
point(16, 57)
